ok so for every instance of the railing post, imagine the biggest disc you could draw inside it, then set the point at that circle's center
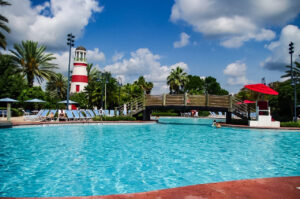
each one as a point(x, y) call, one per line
point(206, 99)
point(144, 101)
point(185, 99)
point(164, 99)
point(230, 103)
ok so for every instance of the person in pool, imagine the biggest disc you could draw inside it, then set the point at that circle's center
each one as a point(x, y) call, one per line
point(214, 123)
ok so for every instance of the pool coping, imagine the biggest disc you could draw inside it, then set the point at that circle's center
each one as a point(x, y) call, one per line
point(264, 188)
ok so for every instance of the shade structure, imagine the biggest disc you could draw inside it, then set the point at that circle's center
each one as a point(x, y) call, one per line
point(35, 101)
point(261, 88)
point(247, 102)
point(8, 100)
point(65, 102)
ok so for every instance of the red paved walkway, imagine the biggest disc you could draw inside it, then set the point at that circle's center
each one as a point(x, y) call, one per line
point(266, 188)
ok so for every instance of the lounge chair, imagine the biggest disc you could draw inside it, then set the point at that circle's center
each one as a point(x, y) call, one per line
point(43, 116)
point(97, 112)
point(106, 113)
point(69, 115)
point(124, 112)
point(111, 113)
point(51, 115)
point(87, 114)
point(91, 113)
point(76, 114)
point(33, 117)
point(117, 113)
point(81, 116)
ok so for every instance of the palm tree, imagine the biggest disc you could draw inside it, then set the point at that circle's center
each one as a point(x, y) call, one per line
point(146, 86)
point(33, 61)
point(296, 71)
point(58, 86)
point(3, 20)
point(92, 72)
point(177, 80)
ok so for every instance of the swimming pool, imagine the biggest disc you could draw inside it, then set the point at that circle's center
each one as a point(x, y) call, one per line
point(86, 160)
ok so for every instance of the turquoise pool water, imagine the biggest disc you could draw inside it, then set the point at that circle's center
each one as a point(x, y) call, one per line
point(85, 160)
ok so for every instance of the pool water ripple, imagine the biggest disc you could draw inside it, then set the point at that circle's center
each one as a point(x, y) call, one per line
point(102, 159)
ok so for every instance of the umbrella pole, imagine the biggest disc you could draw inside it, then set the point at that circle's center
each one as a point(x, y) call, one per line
point(8, 112)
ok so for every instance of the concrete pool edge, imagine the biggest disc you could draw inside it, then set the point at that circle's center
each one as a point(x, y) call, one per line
point(278, 187)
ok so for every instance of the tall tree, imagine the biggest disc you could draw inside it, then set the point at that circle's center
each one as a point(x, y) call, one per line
point(195, 85)
point(177, 80)
point(33, 61)
point(296, 71)
point(146, 86)
point(211, 86)
point(57, 85)
point(11, 81)
point(3, 26)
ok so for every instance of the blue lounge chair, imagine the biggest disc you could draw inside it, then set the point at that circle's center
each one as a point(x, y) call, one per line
point(124, 112)
point(69, 115)
point(111, 113)
point(87, 114)
point(106, 113)
point(117, 113)
point(43, 116)
point(97, 112)
point(91, 113)
point(81, 115)
point(52, 112)
point(76, 114)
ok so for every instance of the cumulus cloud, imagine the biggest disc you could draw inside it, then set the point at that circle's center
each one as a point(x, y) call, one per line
point(228, 21)
point(184, 40)
point(236, 73)
point(143, 62)
point(48, 23)
point(117, 56)
point(280, 49)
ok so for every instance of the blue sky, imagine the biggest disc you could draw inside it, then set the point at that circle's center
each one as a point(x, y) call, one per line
point(238, 43)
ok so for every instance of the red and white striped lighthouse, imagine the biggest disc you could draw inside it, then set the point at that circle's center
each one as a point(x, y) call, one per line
point(79, 75)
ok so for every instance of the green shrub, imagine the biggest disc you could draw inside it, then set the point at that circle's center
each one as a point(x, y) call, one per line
point(290, 124)
point(164, 114)
point(14, 111)
point(115, 118)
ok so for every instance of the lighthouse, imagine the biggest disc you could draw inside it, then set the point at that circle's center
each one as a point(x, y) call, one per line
point(79, 75)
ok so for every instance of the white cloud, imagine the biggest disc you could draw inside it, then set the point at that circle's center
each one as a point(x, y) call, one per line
point(236, 73)
point(95, 55)
point(144, 63)
point(117, 56)
point(280, 49)
point(50, 22)
point(235, 22)
point(184, 40)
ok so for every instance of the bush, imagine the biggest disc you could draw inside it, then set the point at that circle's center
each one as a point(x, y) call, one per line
point(290, 124)
point(164, 114)
point(14, 111)
point(115, 118)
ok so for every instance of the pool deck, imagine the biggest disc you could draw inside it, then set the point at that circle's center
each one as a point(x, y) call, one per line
point(263, 188)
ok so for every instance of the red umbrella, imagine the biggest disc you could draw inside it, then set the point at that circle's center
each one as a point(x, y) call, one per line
point(246, 102)
point(261, 88)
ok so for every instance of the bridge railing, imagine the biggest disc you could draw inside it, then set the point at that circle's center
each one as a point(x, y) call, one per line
point(222, 101)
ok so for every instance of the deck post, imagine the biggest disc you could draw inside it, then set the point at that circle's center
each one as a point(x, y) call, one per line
point(164, 99)
point(185, 99)
point(206, 99)
point(230, 103)
point(146, 114)
point(228, 117)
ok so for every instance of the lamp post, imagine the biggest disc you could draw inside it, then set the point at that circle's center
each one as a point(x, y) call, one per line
point(120, 85)
point(70, 43)
point(291, 51)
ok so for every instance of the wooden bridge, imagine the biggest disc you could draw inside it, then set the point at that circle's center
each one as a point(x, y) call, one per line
point(186, 102)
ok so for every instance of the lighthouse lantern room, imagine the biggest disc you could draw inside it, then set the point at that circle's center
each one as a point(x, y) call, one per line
point(79, 75)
